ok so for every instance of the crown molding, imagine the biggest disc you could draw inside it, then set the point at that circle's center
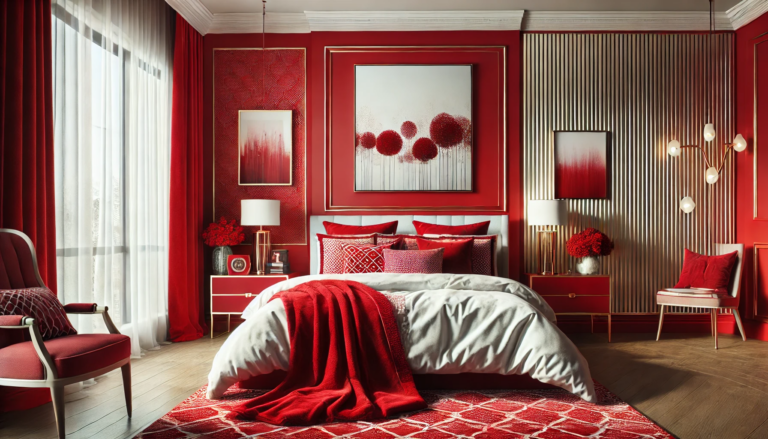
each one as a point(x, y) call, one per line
point(195, 12)
point(622, 21)
point(746, 11)
point(335, 21)
point(275, 23)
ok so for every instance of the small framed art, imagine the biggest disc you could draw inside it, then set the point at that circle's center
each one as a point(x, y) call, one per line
point(581, 164)
point(265, 148)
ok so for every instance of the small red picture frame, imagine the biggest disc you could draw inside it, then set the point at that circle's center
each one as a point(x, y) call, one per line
point(238, 265)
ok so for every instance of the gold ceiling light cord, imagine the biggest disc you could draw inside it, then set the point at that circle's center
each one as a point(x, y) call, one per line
point(263, 53)
point(738, 144)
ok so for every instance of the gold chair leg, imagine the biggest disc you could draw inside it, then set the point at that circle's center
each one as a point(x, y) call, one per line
point(738, 323)
point(661, 322)
point(714, 324)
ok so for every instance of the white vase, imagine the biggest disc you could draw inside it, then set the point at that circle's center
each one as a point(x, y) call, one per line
point(588, 265)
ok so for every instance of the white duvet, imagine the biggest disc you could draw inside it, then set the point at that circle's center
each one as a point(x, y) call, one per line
point(448, 324)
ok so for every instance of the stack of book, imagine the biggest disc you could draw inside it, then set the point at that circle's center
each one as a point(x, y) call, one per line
point(278, 268)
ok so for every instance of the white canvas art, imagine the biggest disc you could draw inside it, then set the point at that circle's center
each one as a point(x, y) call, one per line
point(413, 128)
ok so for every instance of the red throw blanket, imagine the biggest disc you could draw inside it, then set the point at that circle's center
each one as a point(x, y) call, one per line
point(347, 362)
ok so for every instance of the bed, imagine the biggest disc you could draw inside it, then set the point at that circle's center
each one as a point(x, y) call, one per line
point(458, 330)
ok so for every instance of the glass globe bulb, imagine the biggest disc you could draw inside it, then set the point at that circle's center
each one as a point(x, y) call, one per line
point(711, 175)
point(673, 148)
point(687, 205)
point(739, 143)
point(709, 132)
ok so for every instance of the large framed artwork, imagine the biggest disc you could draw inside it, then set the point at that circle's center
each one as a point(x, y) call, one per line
point(418, 128)
point(760, 133)
point(581, 164)
point(265, 148)
point(413, 128)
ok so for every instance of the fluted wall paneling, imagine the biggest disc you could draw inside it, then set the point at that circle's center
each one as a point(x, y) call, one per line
point(645, 89)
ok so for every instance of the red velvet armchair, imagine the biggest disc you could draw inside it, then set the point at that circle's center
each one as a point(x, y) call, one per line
point(26, 360)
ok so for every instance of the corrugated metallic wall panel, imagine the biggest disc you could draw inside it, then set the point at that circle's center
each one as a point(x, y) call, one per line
point(645, 89)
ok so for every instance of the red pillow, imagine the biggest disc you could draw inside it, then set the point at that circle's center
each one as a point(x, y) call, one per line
point(457, 257)
point(413, 261)
point(702, 271)
point(41, 304)
point(331, 249)
point(464, 230)
point(344, 229)
point(718, 272)
point(365, 258)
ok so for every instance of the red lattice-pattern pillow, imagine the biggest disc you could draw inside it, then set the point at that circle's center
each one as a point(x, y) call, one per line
point(40, 304)
point(331, 248)
point(365, 258)
point(483, 249)
point(413, 261)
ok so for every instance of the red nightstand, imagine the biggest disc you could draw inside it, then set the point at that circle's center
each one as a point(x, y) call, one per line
point(570, 294)
point(231, 294)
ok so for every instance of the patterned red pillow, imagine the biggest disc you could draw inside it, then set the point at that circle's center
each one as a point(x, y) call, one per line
point(40, 304)
point(413, 261)
point(331, 248)
point(366, 258)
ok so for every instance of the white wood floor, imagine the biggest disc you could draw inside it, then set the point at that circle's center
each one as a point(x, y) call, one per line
point(681, 383)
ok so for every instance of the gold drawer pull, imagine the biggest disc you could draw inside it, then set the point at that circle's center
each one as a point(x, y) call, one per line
point(248, 294)
point(572, 295)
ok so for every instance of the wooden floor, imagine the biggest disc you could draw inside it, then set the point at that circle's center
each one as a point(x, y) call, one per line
point(681, 383)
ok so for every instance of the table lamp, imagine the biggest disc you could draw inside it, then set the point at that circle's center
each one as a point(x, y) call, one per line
point(547, 213)
point(260, 213)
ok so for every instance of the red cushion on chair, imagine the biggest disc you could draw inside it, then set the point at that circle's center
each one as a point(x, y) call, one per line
point(718, 272)
point(42, 305)
point(440, 229)
point(344, 229)
point(17, 268)
point(694, 266)
point(457, 257)
point(73, 355)
point(80, 307)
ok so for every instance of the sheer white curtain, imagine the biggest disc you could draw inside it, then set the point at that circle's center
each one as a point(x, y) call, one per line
point(112, 98)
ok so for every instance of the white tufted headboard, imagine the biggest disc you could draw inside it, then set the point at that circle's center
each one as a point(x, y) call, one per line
point(499, 226)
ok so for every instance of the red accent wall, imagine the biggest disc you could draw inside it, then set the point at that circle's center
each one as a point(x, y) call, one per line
point(315, 44)
point(748, 231)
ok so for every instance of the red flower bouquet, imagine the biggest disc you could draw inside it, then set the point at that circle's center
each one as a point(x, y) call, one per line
point(222, 233)
point(590, 242)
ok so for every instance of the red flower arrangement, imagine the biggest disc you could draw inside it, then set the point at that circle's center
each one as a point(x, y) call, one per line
point(223, 232)
point(590, 242)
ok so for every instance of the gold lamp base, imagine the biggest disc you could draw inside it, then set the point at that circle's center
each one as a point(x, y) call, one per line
point(547, 239)
point(261, 250)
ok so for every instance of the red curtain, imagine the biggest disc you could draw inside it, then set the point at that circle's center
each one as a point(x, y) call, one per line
point(26, 146)
point(185, 298)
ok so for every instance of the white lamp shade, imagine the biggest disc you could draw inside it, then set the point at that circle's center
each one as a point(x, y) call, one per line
point(709, 132)
point(260, 212)
point(547, 213)
point(739, 143)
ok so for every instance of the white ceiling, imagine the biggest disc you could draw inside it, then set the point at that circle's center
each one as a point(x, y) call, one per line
point(238, 6)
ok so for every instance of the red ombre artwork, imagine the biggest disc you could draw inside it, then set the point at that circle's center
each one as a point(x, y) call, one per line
point(581, 164)
point(264, 143)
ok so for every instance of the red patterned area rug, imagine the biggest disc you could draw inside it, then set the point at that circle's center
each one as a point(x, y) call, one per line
point(552, 414)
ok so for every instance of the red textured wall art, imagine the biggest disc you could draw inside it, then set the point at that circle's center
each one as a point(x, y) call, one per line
point(413, 127)
point(581, 164)
point(252, 79)
point(265, 147)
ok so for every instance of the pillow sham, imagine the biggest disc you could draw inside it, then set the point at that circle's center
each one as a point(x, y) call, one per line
point(413, 261)
point(457, 257)
point(483, 249)
point(367, 258)
point(345, 229)
point(462, 230)
point(331, 249)
point(41, 304)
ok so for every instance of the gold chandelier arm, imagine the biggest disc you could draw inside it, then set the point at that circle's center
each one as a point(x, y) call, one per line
point(704, 153)
point(728, 148)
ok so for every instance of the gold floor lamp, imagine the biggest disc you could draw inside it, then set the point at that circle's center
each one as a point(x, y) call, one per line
point(260, 213)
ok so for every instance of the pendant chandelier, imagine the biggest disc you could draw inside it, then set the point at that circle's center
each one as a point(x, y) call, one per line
point(739, 144)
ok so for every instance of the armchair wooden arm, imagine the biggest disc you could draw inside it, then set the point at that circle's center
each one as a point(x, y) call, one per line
point(92, 308)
